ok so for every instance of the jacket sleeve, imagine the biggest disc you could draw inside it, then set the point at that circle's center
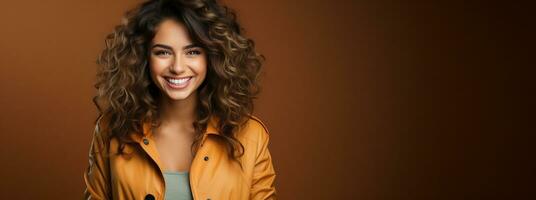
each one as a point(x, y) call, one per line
point(263, 184)
point(96, 175)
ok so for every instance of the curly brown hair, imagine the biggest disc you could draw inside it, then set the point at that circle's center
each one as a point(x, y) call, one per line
point(127, 97)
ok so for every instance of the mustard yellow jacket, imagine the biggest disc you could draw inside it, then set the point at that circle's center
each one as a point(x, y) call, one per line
point(212, 175)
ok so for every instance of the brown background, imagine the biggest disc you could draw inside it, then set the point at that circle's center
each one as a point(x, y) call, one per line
point(363, 99)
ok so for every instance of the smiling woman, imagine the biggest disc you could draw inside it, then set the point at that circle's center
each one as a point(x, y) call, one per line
point(176, 85)
point(177, 66)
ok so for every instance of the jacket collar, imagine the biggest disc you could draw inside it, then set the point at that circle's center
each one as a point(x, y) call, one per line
point(147, 133)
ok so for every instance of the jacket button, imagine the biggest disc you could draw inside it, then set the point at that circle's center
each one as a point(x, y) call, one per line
point(206, 158)
point(145, 141)
point(149, 197)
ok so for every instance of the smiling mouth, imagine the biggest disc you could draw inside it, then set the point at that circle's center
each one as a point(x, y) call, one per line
point(178, 83)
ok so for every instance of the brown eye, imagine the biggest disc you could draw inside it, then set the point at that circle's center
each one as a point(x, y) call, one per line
point(193, 52)
point(162, 52)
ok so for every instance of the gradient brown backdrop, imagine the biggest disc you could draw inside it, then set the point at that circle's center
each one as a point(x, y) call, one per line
point(363, 99)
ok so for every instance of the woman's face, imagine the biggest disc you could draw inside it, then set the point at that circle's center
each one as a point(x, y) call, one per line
point(177, 65)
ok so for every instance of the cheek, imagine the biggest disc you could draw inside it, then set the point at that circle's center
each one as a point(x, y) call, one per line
point(200, 66)
point(158, 65)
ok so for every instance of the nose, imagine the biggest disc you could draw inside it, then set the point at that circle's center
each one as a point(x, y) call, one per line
point(177, 66)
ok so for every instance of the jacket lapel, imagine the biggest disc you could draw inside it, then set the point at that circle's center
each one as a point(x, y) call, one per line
point(146, 141)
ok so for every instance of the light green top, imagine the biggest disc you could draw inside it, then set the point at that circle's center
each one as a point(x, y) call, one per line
point(177, 185)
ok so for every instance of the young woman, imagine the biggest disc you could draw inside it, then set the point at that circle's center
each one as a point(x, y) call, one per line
point(175, 89)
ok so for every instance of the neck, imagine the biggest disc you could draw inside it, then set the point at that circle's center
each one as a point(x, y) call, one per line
point(179, 113)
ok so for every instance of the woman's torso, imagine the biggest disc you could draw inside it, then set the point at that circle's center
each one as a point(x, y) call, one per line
point(211, 175)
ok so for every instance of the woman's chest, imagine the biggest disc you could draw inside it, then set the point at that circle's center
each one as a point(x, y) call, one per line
point(212, 173)
point(174, 153)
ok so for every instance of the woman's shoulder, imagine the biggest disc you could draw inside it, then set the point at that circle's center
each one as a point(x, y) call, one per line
point(257, 123)
point(255, 129)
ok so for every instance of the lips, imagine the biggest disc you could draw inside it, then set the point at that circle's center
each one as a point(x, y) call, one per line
point(178, 80)
point(178, 83)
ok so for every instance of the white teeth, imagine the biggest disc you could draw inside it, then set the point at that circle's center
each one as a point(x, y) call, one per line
point(178, 81)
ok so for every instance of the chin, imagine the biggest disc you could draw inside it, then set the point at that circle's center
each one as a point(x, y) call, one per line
point(178, 97)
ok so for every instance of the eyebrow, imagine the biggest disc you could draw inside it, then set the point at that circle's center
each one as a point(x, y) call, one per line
point(170, 48)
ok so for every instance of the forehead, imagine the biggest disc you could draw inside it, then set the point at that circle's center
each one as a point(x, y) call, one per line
point(172, 33)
